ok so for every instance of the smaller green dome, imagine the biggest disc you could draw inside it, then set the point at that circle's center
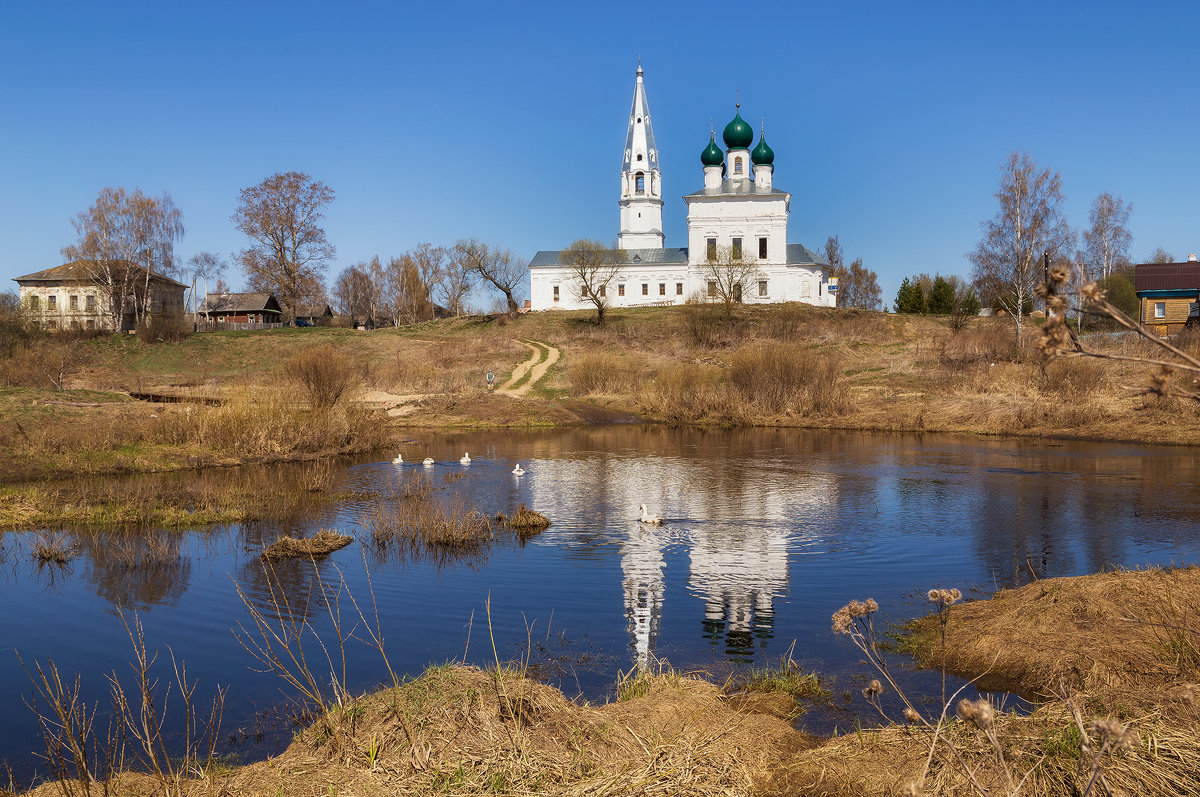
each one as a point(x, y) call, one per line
point(712, 155)
point(738, 134)
point(762, 154)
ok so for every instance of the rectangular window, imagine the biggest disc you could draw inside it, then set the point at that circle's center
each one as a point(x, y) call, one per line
point(52, 302)
point(34, 302)
point(556, 293)
point(91, 301)
point(1160, 309)
point(712, 248)
point(52, 324)
point(621, 289)
point(91, 323)
point(679, 289)
point(805, 289)
point(762, 287)
point(762, 248)
point(645, 289)
point(74, 302)
point(712, 288)
point(603, 291)
point(662, 289)
point(737, 248)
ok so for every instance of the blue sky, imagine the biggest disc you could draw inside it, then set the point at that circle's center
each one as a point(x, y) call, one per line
point(506, 121)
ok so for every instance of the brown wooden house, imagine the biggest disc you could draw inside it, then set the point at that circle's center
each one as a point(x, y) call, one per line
point(1168, 295)
point(240, 308)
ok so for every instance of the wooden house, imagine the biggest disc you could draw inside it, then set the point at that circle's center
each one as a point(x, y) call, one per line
point(236, 309)
point(100, 294)
point(1168, 295)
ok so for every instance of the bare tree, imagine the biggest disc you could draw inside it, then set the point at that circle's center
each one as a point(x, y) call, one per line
point(410, 291)
point(859, 287)
point(1106, 242)
point(1161, 255)
point(500, 267)
point(353, 292)
point(282, 216)
point(1029, 224)
point(728, 276)
point(593, 266)
point(206, 266)
point(454, 280)
point(126, 237)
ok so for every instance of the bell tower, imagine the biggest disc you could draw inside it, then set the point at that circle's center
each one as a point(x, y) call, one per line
point(641, 180)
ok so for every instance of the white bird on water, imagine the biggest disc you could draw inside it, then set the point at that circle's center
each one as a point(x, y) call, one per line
point(653, 520)
point(427, 461)
point(399, 460)
point(466, 458)
point(518, 471)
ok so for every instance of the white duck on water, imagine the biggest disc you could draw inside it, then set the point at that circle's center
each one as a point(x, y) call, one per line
point(466, 458)
point(399, 460)
point(427, 461)
point(653, 520)
point(518, 471)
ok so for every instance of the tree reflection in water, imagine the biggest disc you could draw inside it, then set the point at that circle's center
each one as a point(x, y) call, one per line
point(136, 569)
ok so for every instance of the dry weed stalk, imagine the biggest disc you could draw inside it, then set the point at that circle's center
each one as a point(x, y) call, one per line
point(1058, 340)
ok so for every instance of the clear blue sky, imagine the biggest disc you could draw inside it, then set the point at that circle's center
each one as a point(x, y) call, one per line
point(506, 121)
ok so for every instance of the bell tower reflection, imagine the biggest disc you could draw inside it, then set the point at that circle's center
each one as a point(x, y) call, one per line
point(739, 572)
point(642, 580)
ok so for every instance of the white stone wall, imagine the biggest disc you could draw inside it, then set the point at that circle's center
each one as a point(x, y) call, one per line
point(62, 315)
point(655, 277)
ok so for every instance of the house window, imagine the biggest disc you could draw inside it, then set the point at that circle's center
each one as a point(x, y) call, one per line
point(737, 292)
point(52, 324)
point(762, 287)
point(640, 186)
point(1160, 309)
point(51, 302)
point(621, 289)
point(645, 289)
point(662, 289)
point(737, 248)
point(91, 323)
point(74, 302)
point(34, 302)
point(603, 291)
point(762, 248)
point(556, 293)
point(712, 248)
point(91, 301)
point(805, 289)
point(679, 289)
point(737, 165)
point(712, 288)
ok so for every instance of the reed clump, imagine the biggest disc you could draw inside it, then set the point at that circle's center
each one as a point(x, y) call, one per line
point(323, 373)
point(53, 548)
point(598, 373)
point(429, 524)
point(323, 543)
point(524, 520)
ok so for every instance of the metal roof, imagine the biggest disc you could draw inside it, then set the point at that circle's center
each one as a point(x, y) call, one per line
point(801, 255)
point(739, 187)
point(239, 303)
point(639, 119)
point(85, 270)
point(797, 255)
point(1166, 276)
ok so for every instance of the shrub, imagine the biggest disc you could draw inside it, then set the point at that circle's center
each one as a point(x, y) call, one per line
point(324, 373)
point(598, 373)
point(985, 343)
point(705, 322)
point(779, 377)
point(690, 392)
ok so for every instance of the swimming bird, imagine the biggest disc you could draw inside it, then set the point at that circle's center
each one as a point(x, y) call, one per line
point(653, 520)
point(399, 460)
point(518, 471)
point(466, 458)
point(427, 461)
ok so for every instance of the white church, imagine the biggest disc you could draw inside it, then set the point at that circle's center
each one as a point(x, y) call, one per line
point(739, 213)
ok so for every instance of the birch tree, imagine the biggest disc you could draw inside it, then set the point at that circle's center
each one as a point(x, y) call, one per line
point(454, 280)
point(1106, 241)
point(1029, 225)
point(124, 237)
point(206, 266)
point(729, 277)
point(593, 267)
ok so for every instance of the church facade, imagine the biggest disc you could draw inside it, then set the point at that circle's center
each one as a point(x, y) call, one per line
point(738, 216)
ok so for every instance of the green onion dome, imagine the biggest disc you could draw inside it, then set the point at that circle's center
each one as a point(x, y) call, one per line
point(738, 134)
point(712, 155)
point(762, 155)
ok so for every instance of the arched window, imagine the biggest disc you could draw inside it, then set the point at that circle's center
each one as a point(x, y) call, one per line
point(639, 156)
point(641, 184)
point(737, 165)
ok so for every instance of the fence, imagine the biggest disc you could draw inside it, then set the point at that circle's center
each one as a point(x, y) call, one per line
point(217, 326)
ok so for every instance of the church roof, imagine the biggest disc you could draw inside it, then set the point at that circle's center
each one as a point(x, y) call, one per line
point(797, 255)
point(739, 187)
point(549, 257)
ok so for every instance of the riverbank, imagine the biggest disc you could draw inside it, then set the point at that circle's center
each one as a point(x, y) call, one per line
point(776, 365)
point(1127, 723)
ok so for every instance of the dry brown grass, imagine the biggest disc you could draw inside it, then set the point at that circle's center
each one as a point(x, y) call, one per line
point(1107, 633)
point(427, 524)
point(323, 373)
point(524, 521)
point(599, 373)
point(323, 543)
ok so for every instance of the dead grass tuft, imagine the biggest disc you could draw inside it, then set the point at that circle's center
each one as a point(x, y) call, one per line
point(323, 543)
point(598, 373)
point(525, 522)
point(53, 548)
point(323, 373)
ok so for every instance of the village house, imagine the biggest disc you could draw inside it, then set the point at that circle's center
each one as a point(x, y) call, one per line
point(240, 308)
point(102, 295)
point(1168, 295)
point(314, 315)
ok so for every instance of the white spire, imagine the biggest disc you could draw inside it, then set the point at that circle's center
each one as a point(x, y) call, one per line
point(641, 180)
